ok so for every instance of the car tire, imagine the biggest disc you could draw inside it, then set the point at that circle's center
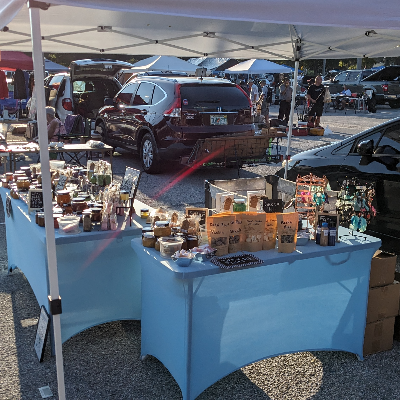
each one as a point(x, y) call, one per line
point(372, 104)
point(394, 104)
point(149, 154)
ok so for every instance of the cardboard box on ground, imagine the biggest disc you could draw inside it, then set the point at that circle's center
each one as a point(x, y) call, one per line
point(383, 304)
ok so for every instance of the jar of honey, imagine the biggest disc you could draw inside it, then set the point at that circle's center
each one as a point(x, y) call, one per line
point(148, 240)
point(144, 213)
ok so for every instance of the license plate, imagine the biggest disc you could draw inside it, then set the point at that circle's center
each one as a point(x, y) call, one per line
point(218, 120)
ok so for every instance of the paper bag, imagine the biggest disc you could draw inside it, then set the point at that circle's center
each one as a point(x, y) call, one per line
point(270, 231)
point(253, 225)
point(236, 237)
point(218, 232)
point(287, 231)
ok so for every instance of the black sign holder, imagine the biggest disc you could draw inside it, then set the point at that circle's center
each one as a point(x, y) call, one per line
point(35, 199)
point(272, 205)
point(42, 333)
point(201, 212)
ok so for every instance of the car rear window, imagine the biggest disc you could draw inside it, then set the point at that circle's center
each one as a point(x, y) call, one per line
point(206, 97)
point(386, 74)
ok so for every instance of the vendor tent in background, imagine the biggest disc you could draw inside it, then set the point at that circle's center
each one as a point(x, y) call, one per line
point(51, 66)
point(256, 67)
point(163, 63)
point(12, 60)
point(273, 29)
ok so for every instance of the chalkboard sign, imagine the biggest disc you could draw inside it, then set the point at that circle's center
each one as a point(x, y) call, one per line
point(62, 180)
point(35, 199)
point(41, 333)
point(202, 212)
point(130, 182)
point(331, 219)
point(272, 205)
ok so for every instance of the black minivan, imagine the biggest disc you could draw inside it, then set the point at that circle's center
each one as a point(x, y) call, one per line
point(161, 118)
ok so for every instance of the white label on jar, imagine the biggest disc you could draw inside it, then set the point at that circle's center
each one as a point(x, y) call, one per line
point(326, 233)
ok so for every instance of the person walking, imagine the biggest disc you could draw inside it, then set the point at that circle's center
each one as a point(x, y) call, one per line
point(315, 96)
point(285, 97)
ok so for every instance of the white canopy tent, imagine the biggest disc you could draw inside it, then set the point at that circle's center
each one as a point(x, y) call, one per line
point(273, 29)
point(256, 67)
point(163, 63)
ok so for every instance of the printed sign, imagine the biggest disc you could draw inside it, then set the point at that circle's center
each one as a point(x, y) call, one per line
point(42, 333)
point(35, 199)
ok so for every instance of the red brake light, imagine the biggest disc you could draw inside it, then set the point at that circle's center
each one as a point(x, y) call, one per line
point(67, 104)
point(175, 110)
point(248, 98)
point(385, 87)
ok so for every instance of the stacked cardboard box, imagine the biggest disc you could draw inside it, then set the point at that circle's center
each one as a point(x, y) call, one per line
point(383, 304)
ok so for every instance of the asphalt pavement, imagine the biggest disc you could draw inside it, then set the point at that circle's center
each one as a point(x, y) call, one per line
point(103, 362)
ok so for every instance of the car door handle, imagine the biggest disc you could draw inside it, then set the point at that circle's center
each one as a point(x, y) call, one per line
point(143, 112)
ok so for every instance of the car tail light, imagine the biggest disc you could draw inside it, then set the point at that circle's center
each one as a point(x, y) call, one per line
point(385, 87)
point(67, 104)
point(239, 87)
point(175, 111)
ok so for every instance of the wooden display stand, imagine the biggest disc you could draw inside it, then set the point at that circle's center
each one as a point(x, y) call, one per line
point(305, 187)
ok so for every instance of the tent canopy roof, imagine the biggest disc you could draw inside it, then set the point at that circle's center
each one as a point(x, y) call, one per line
point(255, 66)
point(265, 29)
point(163, 63)
point(11, 60)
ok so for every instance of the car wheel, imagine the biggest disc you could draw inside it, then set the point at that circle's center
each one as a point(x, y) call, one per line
point(149, 155)
point(372, 104)
point(394, 104)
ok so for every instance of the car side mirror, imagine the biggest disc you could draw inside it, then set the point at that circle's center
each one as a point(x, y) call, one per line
point(365, 148)
point(108, 101)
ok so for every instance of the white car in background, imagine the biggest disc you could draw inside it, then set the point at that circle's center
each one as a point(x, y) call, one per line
point(83, 90)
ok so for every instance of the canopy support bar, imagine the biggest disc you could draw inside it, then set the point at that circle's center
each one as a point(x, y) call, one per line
point(47, 196)
point(296, 71)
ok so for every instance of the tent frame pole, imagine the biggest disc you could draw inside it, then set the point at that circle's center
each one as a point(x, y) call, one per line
point(37, 56)
point(292, 104)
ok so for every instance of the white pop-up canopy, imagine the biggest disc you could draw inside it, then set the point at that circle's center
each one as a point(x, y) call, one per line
point(273, 29)
point(256, 67)
point(163, 63)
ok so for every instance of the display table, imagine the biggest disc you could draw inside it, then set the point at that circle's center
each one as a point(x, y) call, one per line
point(203, 322)
point(99, 276)
point(71, 150)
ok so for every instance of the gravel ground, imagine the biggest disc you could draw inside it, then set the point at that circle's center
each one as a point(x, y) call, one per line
point(103, 362)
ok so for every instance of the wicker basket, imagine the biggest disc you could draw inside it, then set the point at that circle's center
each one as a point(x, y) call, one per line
point(316, 132)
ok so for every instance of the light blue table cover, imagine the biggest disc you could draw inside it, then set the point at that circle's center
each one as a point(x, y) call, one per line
point(203, 322)
point(99, 276)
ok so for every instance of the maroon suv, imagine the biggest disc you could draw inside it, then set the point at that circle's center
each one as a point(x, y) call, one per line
point(161, 118)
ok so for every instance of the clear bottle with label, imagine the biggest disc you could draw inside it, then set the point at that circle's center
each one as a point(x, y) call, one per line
point(318, 235)
point(324, 234)
point(332, 236)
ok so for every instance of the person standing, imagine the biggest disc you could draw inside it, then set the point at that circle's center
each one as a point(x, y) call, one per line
point(265, 99)
point(315, 96)
point(285, 97)
point(253, 92)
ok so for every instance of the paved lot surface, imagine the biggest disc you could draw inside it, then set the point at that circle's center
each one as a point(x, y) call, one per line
point(103, 362)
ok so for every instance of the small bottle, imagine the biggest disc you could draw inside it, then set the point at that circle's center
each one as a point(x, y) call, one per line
point(332, 236)
point(87, 221)
point(324, 234)
point(239, 205)
point(318, 235)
